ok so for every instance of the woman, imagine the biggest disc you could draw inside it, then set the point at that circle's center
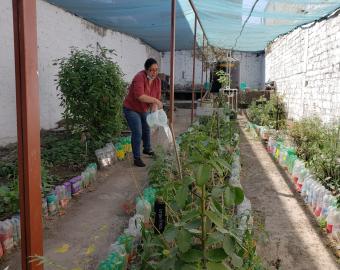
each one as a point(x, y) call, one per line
point(144, 95)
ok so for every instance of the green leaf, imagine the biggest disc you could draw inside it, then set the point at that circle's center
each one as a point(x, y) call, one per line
point(191, 256)
point(216, 192)
point(181, 196)
point(216, 255)
point(233, 195)
point(215, 238)
point(188, 267)
point(190, 215)
point(239, 195)
point(217, 266)
point(202, 174)
point(187, 180)
point(214, 218)
point(228, 244)
point(183, 240)
point(229, 196)
point(167, 263)
point(170, 232)
point(194, 224)
point(217, 167)
point(236, 260)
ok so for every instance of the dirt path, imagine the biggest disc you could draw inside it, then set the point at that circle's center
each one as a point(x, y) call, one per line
point(95, 219)
point(294, 240)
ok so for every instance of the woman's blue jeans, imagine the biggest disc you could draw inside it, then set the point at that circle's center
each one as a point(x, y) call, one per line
point(140, 131)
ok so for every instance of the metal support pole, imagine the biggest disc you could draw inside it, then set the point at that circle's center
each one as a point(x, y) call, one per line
point(172, 61)
point(28, 131)
point(202, 69)
point(193, 73)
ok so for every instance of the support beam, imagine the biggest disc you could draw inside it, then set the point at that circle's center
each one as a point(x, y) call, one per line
point(28, 130)
point(172, 61)
point(198, 18)
point(193, 73)
point(202, 69)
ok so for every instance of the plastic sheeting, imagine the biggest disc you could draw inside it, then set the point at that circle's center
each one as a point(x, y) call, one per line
point(222, 19)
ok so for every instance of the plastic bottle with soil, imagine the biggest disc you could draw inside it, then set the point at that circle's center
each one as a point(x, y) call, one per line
point(52, 204)
point(6, 235)
point(326, 203)
point(44, 207)
point(330, 219)
point(305, 187)
point(16, 230)
point(68, 190)
point(143, 208)
point(319, 202)
point(336, 226)
point(120, 250)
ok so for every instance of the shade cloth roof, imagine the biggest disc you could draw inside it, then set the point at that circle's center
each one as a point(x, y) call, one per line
point(222, 20)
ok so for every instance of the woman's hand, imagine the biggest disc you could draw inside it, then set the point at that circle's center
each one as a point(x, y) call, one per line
point(154, 107)
point(159, 104)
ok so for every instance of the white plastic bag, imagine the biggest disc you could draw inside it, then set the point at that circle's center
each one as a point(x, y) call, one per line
point(157, 119)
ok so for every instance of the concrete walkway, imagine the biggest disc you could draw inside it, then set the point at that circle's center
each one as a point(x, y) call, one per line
point(294, 241)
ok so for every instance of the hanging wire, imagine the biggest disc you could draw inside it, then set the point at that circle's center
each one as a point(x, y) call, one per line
point(244, 24)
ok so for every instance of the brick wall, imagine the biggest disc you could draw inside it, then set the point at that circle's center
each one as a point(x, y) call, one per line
point(306, 67)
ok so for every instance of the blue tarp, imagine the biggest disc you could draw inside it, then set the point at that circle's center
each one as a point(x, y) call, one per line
point(222, 20)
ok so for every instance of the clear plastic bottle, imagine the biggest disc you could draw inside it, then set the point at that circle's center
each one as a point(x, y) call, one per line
point(52, 204)
point(6, 235)
point(336, 226)
point(319, 201)
point(326, 203)
point(330, 219)
point(143, 208)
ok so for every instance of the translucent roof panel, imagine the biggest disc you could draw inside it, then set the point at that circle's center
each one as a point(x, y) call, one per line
point(223, 20)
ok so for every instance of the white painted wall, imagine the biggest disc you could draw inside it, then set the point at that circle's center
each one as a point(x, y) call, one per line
point(306, 67)
point(57, 32)
point(251, 68)
point(183, 68)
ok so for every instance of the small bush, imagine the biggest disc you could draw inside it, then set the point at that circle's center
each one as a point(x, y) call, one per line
point(319, 146)
point(91, 92)
point(270, 113)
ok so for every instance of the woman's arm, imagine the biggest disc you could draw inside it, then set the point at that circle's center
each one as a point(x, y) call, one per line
point(147, 99)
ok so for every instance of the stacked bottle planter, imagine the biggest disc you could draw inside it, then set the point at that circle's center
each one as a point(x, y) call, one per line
point(321, 200)
point(58, 199)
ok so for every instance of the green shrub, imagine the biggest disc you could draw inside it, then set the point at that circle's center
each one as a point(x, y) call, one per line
point(319, 146)
point(270, 113)
point(91, 93)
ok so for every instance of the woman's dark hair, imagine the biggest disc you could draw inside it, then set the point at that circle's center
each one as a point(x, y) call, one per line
point(149, 62)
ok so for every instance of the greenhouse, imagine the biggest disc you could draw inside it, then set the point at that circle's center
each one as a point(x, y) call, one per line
point(169, 135)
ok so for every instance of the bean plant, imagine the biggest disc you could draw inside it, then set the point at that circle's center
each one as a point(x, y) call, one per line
point(202, 230)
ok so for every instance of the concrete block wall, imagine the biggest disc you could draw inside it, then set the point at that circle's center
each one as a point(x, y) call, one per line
point(183, 68)
point(57, 32)
point(306, 67)
point(251, 65)
point(251, 68)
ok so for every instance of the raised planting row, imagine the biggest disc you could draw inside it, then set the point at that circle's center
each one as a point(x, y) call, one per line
point(200, 220)
point(322, 199)
point(57, 199)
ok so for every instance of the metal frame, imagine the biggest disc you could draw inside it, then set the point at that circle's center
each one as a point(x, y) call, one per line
point(172, 61)
point(193, 72)
point(28, 131)
point(202, 68)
